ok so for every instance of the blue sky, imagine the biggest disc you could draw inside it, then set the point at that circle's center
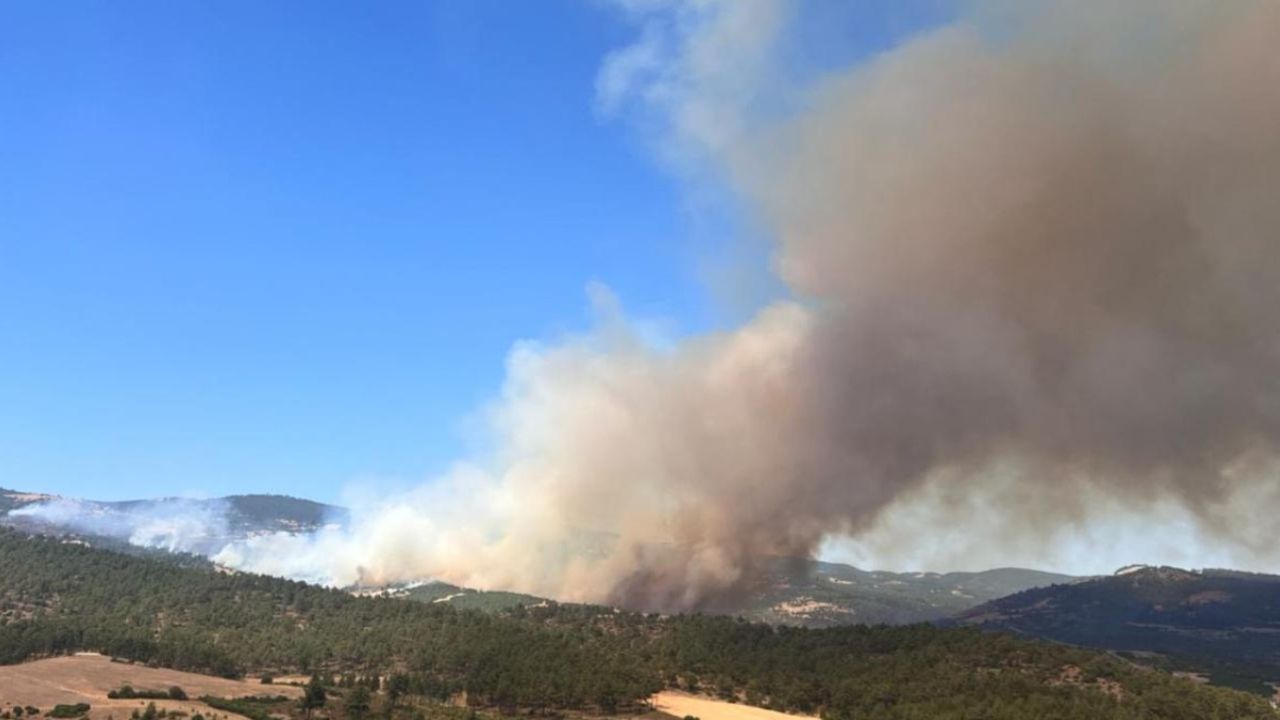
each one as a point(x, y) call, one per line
point(278, 246)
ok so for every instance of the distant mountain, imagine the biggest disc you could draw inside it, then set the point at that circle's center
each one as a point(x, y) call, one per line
point(1220, 623)
point(819, 594)
point(200, 526)
point(459, 597)
point(809, 594)
point(11, 499)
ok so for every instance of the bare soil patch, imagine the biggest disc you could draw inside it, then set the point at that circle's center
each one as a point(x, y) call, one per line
point(681, 704)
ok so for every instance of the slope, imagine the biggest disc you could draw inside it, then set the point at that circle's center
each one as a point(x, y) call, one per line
point(1223, 623)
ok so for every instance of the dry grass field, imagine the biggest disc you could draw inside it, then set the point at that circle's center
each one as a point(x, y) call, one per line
point(681, 704)
point(88, 678)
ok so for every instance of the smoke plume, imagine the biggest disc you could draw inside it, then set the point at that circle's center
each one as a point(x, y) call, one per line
point(172, 524)
point(1034, 263)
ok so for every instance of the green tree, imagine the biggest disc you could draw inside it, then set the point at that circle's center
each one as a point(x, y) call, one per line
point(357, 704)
point(313, 696)
point(397, 687)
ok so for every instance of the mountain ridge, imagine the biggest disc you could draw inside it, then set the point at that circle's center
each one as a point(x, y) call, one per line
point(789, 591)
point(1221, 623)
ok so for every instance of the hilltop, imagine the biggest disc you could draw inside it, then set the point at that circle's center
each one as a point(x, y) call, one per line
point(198, 525)
point(1222, 623)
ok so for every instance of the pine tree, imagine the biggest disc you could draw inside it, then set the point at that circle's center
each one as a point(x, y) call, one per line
point(357, 705)
point(313, 696)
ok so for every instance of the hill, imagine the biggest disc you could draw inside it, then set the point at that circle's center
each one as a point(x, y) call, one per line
point(58, 597)
point(13, 499)
point(822, 594)
point(89, 679)
point(803, 593)
point(1222, 623)
point(194, 525)
point(790, 591)
point(459, 597)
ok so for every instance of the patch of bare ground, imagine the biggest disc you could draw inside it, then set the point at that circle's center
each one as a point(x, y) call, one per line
point(87, 678)
point(682, 704)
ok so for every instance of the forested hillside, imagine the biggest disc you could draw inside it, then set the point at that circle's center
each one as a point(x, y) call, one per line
point(794, 591)
point(1223, 623)
point(57, 597)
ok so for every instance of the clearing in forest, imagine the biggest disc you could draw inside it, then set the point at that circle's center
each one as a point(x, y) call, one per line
point(704, 708)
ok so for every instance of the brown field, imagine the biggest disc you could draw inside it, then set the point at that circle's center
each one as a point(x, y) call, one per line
point(681, 704)
point(87, 678)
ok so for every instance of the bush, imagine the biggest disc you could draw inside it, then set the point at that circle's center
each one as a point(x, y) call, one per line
point(69, 711)
point(128, 692)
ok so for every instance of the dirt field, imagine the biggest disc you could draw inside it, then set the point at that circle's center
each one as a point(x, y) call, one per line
point(682, 704)
point(88, 679)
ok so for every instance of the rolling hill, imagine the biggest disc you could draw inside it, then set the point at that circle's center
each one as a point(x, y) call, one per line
point(822, 594)
point(1220, 623)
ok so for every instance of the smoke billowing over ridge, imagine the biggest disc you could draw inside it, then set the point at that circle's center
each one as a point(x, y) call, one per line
point(1036, 267)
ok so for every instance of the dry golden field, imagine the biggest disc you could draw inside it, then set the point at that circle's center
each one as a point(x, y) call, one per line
point(87, 678)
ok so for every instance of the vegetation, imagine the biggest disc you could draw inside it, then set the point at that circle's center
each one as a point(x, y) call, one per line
point(388, 657)
point(466, 598)
point(128, 692)
point(1224, 624)
point(69, 711)
point(795, 591)
point(313, 695)
point(240, 706)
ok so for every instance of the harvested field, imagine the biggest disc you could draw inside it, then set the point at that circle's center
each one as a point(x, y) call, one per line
point(87, 678)
point(681, 704)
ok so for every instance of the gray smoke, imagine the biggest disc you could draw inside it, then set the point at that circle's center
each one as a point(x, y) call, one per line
point(1035, 259)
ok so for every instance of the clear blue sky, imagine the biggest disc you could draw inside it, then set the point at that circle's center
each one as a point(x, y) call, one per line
point(274, 246)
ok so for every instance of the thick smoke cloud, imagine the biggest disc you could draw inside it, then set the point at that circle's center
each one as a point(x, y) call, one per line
point(1035, 261)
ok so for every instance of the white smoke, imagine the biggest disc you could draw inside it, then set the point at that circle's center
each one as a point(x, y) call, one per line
point(172, 524)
